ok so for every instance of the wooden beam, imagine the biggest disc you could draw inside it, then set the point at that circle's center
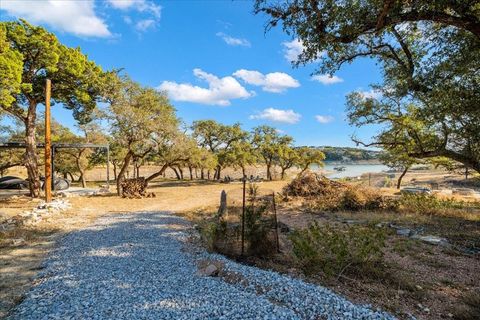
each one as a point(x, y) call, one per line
point(48, 142)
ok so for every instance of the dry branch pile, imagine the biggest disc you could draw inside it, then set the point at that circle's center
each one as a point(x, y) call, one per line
point(135, 188)
point(310, 184)
point(326, 194)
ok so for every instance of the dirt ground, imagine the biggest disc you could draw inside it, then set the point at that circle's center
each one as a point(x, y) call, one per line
point(419, 279)
point(22, 250)
point(428, 281)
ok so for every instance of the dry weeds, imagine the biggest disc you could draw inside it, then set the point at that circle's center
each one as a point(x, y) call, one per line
point(23, 249)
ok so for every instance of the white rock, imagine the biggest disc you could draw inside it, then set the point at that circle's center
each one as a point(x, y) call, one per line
point(210, 271)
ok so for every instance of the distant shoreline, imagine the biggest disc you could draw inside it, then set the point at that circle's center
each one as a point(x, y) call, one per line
point(354, 162)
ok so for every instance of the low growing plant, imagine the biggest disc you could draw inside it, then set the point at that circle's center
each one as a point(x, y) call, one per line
point(334, 251)
point(432, 205)
point(212, 232)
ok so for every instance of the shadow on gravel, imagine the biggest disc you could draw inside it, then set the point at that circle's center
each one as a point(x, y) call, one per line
point(134, 260)
point(132, 266)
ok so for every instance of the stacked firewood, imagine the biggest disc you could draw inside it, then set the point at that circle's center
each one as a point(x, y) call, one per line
point(135, 188)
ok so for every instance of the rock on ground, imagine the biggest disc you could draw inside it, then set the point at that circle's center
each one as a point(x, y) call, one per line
point(134, 266)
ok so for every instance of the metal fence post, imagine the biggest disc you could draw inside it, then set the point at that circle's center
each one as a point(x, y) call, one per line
point(244, 180)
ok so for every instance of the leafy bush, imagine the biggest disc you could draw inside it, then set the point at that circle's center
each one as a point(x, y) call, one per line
point(223, 234)
point(258, 229)
point(431, 205)
point(212, 233)
point(333, 251)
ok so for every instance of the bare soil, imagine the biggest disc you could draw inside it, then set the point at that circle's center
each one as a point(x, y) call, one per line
point(22, 250)
point(426, 281)
point(418, 279)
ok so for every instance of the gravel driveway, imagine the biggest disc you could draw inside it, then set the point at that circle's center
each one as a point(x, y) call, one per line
point(133, 267)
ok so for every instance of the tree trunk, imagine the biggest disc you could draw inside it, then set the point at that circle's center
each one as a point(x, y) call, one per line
point(81, 170)
point(196, 173)
point(137, 168)
point(82, 179)
point(399, 181)
point(180, 170)
point(176, 173)
point(304, 169)
point(202, 174)
point(283, 174)
point(191, 172)
point(208, 174)
point(31, 159)
point(468, 161)
point(269, 174)
point(4, 168)
point(243, 172)
point(114, 170)
point(121, 174)
point(218, 172)
point(156, 174)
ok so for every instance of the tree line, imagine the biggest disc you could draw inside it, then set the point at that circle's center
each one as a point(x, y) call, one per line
point(138, 122)
point(426, 106)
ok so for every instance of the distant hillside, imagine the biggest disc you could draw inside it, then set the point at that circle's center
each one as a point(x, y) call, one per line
point(348, 154)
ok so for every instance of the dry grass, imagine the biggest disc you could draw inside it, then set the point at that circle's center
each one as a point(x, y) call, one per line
point(20, 261)
point(429, 282)
point(413, 273)
point(435, 277)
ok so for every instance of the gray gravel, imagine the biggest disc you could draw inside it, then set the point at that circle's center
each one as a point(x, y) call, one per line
point(133, 267)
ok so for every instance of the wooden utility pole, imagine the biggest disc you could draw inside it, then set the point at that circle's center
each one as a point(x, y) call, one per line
point(48, 150)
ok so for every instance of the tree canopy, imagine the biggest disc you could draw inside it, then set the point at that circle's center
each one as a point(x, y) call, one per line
point(28, 56)
point(429, 52)
point(140, 119)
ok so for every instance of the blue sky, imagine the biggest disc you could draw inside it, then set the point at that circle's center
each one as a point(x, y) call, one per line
point(214, 60)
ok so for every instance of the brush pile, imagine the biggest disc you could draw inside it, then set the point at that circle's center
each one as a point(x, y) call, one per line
point(312, 185)
point(135, 188)
point(325, 194)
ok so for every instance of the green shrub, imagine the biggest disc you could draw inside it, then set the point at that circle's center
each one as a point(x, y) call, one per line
point(258, 230)
point(212, 232)
point(432, 205)
point(223, 234)
point(333, 251)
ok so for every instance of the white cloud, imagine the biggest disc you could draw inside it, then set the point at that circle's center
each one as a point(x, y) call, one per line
point(327, 79)
point(371, 94)
point(292, 49)
point(219, 92)
point(324, 119)
point(139, 5)
point(76, 17)
point(271, 82)
point(144, 25)
point(277, 115)
point(233, 41)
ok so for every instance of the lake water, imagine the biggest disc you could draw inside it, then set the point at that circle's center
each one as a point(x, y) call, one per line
point(352, 170)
